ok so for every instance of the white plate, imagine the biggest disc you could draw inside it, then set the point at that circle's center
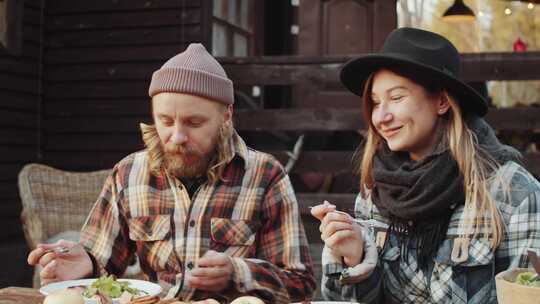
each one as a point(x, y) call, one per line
point(148, 287)
point(327, 302)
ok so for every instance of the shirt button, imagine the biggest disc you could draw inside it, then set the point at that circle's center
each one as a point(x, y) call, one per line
point(192, 223)
point(190, 265)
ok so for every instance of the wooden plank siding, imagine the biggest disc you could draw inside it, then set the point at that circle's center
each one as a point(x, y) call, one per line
point(98, 62)
point(19, 139)
point(19, 117)
point(115, 99)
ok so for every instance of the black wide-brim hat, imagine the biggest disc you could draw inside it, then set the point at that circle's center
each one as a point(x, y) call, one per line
point(426, 52)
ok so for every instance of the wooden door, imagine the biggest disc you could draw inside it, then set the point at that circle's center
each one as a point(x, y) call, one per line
point(339, 27)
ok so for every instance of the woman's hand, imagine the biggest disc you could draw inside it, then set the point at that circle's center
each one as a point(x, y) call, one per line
point(343, 237)
point(63, 260)
point(321, 210)
point(340, 233)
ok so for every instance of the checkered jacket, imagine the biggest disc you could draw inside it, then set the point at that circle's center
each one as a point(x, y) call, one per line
point(252, 215)
point(447, 281)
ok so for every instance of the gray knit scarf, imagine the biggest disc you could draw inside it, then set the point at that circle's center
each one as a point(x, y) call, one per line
point(419, 197)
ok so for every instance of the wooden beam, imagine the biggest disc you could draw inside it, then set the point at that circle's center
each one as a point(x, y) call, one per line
point(18, 119)
point(283, 74)
point(293, 69)
point(319, 71)
point(118, 89)
point(116, 54)
point(332, 162)
point(69, 6)
point(14, 66)
point(19, 100)
point(85, 160)
point(501, 66)
point(18, 83)
point(9, 189)
point(124, 19)
point(18, 154)
point(122, 37)
point(298, 120)
point(16, 136)
point(10, 172)
point(113, 71)
point(102, 107)
point(516, 118)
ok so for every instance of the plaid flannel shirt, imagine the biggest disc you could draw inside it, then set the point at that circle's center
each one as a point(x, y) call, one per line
point(447, 281)
point(252, 216)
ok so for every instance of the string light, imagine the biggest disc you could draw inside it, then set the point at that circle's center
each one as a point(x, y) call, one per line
point(507, 11)
point(480, 13)
point(530, 5)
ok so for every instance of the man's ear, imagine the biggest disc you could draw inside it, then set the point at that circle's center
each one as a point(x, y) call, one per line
point(443, 104)
point(228, 113)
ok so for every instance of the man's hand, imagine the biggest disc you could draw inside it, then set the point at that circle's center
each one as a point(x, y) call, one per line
point(58, 265)
point(213, 272)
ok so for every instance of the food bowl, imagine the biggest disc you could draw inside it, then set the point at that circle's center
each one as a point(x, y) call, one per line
point(148, 288)
point(510, 292)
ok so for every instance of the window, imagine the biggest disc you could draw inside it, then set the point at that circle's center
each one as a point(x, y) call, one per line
point(232, 27)
point(11, 25)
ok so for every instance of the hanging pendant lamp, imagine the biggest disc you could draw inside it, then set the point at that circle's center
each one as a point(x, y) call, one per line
point(458, 12)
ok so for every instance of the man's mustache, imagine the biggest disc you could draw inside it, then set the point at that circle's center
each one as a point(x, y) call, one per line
point(170, 149)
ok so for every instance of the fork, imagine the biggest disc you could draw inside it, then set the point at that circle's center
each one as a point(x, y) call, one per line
point(58, 250)
point(371, 223)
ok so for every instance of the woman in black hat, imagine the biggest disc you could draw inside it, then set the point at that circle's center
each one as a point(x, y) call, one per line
point(444, 206)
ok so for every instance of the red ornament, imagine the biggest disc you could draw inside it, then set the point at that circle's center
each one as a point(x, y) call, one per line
point(520, 46)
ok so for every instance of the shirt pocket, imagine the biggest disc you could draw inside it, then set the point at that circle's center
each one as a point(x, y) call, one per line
point(479, 253)
point(469, 276)
point(232, 236)
point(152, 236)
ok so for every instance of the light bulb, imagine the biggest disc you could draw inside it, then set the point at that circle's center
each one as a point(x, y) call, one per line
point(507, 11)
point(480, 13)
point(530, 5)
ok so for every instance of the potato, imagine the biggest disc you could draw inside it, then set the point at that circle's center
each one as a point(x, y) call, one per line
point(247, 300)
point(207, 301)
point(65, 296)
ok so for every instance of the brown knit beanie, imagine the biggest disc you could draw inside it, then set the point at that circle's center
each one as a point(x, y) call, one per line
point(196, 72)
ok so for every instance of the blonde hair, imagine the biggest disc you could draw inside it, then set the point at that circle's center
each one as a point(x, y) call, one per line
point(475, 164)
point(217, 164)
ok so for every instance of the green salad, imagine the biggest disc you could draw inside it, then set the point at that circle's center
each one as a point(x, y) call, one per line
point(527, 279)
point(110, 287)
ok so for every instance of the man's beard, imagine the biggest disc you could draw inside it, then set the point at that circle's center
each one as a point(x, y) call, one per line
point(175, 164)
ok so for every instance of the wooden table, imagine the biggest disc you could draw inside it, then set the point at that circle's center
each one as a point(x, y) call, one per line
point(20, 295)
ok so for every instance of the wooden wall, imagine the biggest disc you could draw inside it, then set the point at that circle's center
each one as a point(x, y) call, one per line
point(326, 119)
point(19, 143)
point(99, 57)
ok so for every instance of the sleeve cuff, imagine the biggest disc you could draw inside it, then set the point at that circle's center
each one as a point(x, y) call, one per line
point(334, 267)
point(362, 271)
point(97, 269)
point(332, 264)
point(241, 277)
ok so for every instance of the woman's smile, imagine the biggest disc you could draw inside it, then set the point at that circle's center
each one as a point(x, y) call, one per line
point(390, 132)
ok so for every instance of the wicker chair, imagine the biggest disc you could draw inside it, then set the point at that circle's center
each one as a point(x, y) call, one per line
point(55, 202)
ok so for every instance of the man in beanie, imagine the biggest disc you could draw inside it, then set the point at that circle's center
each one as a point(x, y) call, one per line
point(206, 216)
